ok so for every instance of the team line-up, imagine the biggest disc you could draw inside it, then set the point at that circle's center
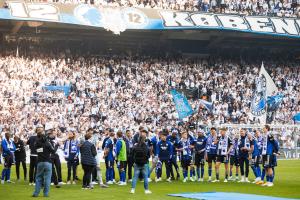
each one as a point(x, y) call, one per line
point(248, 148)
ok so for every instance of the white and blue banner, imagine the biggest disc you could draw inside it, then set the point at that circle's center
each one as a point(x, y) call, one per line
point(273, 102)
point(118, 20)
point(182, 105)
point(66, 88)
point(265, 89)
point(206, 104)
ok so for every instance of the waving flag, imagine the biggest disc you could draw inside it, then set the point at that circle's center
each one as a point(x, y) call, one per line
point(182, 105)
point(265, 87)
point(208, 105)
point(273, 102)
point(296, 118)
point(66, 89)
point(270, 85)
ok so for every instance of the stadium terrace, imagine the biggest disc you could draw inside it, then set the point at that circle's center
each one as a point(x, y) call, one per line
point(247, 23)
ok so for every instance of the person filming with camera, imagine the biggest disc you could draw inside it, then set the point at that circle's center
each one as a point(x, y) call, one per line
point(44, 166)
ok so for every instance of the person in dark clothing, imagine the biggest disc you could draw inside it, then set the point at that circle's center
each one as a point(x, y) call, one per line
point(20, 157)
point(136, 136)
point(106, 137)
point(88, 160)
point(244, 149)
point(56, 165)
point(129, 146)
point(33, 159)
point(173, 162)
point(44, 166)
point(135, 140)
point(141, 155)
point(164, 152)
point(200, 148)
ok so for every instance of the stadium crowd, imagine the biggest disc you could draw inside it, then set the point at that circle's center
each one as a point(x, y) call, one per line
point(126, 92)
point(281, 8)
point(85, 105)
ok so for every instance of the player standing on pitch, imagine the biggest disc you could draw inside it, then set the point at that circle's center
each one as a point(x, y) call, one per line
point(211, 150)
point(223, 150)
point(269, 148)
point(200, 147)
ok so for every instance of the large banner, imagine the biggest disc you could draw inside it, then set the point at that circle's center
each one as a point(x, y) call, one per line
point(182, 105)
point(120, 19)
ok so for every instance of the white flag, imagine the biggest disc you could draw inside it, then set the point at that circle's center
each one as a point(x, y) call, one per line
point(270, 85)
point(265, 87)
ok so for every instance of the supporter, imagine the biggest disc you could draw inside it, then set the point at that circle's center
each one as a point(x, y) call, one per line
point(71, 153)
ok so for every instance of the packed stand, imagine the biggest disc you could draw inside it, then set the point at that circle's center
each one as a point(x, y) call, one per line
point(280, 8)
point(126, 92)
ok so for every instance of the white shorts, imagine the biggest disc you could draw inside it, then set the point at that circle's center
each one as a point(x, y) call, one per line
point(98, 158)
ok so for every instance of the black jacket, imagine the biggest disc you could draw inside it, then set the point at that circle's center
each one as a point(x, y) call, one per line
point(31, 142)
point(140, 154)
point(88, 153)
point(54, 144)
point(44, 149)
point(20, 153)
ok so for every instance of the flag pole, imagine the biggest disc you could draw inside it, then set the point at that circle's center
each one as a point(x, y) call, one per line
point(17, 53)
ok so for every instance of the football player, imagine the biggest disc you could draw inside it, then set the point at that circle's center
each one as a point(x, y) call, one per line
point(223, 150)
point(200, 150)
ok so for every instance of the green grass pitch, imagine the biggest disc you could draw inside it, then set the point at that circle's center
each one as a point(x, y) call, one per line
point(287, 184)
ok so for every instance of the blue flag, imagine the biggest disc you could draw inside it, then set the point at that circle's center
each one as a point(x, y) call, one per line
point(182, 105)
point(273, 102)
point(66, 88)
point(296, 118)
point(208, 105)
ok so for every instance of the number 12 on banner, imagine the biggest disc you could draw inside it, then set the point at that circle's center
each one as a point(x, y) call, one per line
point(134, 18)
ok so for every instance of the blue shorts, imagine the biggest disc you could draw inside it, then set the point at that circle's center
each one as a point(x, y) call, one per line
point(234, 160)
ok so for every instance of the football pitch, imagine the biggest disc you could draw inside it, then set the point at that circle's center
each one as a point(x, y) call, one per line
point(287, 184)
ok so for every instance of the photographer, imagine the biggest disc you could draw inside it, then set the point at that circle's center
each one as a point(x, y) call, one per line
point(44, 166)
